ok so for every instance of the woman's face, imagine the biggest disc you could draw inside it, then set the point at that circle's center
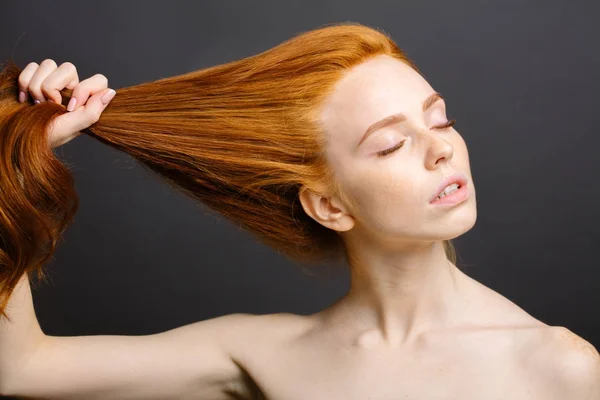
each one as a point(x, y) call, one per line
point(393, 191)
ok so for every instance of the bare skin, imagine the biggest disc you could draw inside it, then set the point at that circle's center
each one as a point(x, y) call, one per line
point(412, 325)
point(501, 353)
point(498, 351)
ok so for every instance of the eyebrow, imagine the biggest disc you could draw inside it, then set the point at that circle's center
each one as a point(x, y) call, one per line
point(395, 118)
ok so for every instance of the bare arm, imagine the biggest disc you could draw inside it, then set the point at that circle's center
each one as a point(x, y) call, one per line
point(189, 362)
point(192, 362)
point(576, 365)
point(22, 335)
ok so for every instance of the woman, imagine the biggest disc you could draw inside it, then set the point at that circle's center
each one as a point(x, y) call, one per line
point(330, 145)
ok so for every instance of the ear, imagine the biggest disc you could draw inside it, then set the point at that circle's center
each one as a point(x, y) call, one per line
point(328, 211)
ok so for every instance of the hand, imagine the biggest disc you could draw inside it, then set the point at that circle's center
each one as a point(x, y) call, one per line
point(89, 98)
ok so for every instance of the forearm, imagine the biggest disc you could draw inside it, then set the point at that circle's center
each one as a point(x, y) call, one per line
point(20, 336)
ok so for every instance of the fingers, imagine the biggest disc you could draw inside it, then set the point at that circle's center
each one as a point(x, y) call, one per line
point(88, 99)
point(62, 77)
point(24, 79)
point(89, 114)
point(68, 125)
point(35, 84)
point(85, 88)
point(45, 81)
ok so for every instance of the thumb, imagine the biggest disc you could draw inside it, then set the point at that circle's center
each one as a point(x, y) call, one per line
point(69, 125)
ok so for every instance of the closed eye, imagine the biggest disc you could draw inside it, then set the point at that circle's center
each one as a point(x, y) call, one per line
point(396, 147)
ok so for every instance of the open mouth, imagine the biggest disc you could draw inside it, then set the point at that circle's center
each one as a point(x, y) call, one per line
point(455, 194)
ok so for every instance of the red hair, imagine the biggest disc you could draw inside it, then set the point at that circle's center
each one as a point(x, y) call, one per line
point(241, 137)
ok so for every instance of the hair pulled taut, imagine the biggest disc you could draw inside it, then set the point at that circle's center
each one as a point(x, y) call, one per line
point(240, 137)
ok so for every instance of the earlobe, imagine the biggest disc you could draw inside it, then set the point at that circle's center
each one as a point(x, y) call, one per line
point(322, 210)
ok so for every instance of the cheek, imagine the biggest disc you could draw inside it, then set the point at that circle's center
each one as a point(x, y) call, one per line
point(383, 195)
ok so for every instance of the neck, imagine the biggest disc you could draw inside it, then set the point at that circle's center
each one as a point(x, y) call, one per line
point(396, 296)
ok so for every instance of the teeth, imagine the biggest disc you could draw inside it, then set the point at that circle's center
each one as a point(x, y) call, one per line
point(449, 189)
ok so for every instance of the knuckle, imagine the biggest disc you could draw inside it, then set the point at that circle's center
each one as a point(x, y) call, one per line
point(48, 61)
point(26, 74)
point(101, 78)
point(76, 92)
point(68, 65)
point(32, 65)
point(81, 92)
point(23, 82)
point(93, 117)
point(34, 89)
point(45, 87)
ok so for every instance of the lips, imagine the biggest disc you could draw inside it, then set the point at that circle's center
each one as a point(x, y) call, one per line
point(459, 178)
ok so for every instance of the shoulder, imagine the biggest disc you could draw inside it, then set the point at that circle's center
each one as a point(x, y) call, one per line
point(563, 363)
point(243, 331)
point(246, 339)
point(569, 363)
point(278, 321)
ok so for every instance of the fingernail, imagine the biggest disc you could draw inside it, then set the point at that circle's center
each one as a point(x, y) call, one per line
point(106, 97)
point(72, 103)
point(21, 96)
point(36, 101)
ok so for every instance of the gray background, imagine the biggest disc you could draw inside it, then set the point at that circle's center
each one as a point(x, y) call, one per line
point(520, 77)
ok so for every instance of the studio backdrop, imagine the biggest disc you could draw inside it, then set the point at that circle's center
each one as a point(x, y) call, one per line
point(521, 78)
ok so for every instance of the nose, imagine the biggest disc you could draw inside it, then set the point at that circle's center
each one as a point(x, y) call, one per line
point(438, 149)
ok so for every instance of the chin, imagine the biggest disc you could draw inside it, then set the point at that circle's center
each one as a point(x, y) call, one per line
point(462, 224)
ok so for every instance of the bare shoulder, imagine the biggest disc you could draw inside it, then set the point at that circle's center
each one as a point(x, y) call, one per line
point(244, 332)
point(560, 360)
point(570, 364)
point(246, 339)
point(275, 322)
point(575, 357)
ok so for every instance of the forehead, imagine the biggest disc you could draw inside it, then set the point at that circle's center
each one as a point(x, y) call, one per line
point(370, 91)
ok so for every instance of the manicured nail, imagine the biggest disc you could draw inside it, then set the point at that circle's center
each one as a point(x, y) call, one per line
point(106, 97)
point(72, 103)
point(21, 96)
point(36, 101)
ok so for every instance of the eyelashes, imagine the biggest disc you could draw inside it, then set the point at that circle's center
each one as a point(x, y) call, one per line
point(391, 150)
point(446, 125)
point(396, 147)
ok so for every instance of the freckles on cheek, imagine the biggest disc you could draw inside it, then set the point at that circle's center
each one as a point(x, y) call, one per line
point(376, 190)
point(361, 186)
point(391, 194)
point(398, 192)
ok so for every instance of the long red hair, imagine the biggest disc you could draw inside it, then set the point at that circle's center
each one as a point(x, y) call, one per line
point(240, 137)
